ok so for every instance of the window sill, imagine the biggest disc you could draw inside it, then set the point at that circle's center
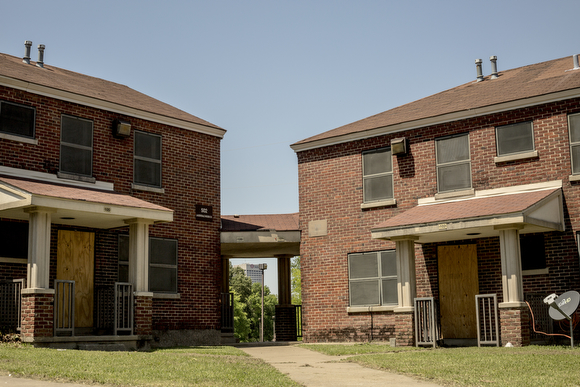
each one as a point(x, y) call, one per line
point(70, 176)
point(574, 178)
point(536, 271)
point(514, 157)
point(25, 140)
point(23, 261)
point(379, 203)
point(147, 188)
point(367, 309)
point(454, 194)
point(167, 296)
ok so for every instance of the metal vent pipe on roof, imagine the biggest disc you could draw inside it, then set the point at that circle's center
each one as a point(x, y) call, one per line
point(479, 71)
point(493, 60)
point(40, 62)
point(27, 45)
point(576, 64)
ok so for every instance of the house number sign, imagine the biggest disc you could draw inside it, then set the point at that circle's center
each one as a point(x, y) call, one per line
point(203, 212)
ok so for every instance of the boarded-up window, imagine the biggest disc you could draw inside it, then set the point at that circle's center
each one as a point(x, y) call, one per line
point(377, 175)
point(373, 278)
point(453, 163)
point(147, 159)
point(17, 119)
point(515, 138)
point(76, 146)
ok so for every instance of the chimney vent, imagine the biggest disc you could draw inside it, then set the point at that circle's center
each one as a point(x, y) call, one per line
point(576, 65)
point(27, 45)
point(493, 60)
point(40, 62)
point(479, 72)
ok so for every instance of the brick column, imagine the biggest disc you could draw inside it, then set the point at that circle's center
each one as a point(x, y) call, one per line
point(515, 326)
point(37, 314)
point(143, 313)
point(285, 323)
point(404, 329)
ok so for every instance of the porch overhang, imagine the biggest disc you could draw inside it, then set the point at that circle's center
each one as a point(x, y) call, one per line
point(75, 206)
point(482, 216)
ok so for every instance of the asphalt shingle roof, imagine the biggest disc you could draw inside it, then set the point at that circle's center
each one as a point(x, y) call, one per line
point(511, 85)
point(278, 222)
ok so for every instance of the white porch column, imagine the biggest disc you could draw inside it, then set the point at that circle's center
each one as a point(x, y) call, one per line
point(39, 220)
point(511, 267)
point(406, 272)
point(139, 253)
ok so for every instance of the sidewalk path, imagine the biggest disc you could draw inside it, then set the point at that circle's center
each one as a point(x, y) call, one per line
point(315, 369)
point(6, 380)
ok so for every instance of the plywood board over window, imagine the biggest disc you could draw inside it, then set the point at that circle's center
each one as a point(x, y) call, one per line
point(76, 262)
point(458, 286)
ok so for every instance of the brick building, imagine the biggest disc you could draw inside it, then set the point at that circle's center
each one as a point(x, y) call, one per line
point(471, 191)
point(116, 193)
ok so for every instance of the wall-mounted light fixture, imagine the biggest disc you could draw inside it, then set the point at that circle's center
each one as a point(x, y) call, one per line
point(121, 128)
point(399, 146)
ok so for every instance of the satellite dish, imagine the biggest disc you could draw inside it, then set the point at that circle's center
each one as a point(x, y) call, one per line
point(567, 303)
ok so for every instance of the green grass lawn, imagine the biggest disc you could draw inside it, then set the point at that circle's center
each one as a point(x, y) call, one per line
point(199, 366)
point(489, 366)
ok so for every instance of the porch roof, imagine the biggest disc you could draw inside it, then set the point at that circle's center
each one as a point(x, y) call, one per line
point(481, 216)
point(75, 206)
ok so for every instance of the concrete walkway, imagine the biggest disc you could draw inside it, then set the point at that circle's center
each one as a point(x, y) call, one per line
point(6, 380)
point(311, 368)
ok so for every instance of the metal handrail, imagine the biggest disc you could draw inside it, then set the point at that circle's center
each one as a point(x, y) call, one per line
point(487, 319)
point(426, 332)
point(64, 307)
point(124, 308)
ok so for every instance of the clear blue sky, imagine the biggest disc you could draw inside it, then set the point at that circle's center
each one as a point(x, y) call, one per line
point(275, 72)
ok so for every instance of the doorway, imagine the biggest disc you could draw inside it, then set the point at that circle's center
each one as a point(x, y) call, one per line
point(458, 286)
point(76, 262)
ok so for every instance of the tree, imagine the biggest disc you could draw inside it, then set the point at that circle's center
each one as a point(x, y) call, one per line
point(296, 281)
point(241, 322)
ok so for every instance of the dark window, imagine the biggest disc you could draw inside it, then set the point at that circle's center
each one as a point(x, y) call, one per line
point(373, 278)
point(515, 138)
point(13, 240)
point(147, 159)
point(453, 163)
point(162, 263)
point(17, 119)
point(76, 146)
point(532, 251)
point(574, 128)
point(377, 175)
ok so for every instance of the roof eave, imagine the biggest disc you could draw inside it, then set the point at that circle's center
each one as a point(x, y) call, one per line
point(108, 106)
point(436, 120)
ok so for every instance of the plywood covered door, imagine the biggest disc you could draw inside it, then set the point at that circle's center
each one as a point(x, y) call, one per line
point(458, 286)
point(76, 262)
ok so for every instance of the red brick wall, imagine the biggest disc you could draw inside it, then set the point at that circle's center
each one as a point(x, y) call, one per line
point(330, 187)
point(37, 315)
point(190, 176)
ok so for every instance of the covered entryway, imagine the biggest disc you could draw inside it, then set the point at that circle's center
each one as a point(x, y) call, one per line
point(265, 236)
point(502, 213)
point(44, 202)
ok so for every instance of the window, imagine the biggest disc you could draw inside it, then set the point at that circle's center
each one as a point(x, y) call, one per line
point(453, 163)
point(162, 263)
point(515, 138)
point(147, 159)
point(13, 240)
point(17, 119)
point(574, 128)
point(76, 146)
point(377, 175)
point(373, 278)
point(532, 251)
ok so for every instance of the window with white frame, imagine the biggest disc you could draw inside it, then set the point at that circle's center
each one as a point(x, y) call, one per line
point(377, 175)
point(162, 263)
point(532, 251)
point(76, 146)
point(17, 119)
point(574, 129)
point(453, 163)
point(147, 159)
point(514, 138)
point(372, 278)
